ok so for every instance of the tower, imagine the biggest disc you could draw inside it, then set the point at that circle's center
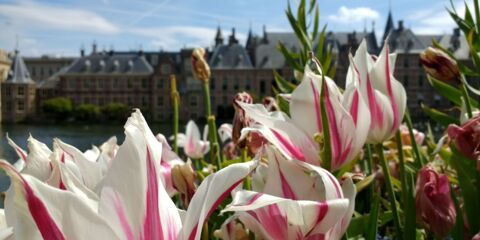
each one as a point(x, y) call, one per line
point(218, 37)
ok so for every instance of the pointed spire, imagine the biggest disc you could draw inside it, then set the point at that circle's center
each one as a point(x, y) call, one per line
point(389, 26)
point(218, 37)
point(19, 71)
point(249, 37)
point(265, 39)
point(232, 39)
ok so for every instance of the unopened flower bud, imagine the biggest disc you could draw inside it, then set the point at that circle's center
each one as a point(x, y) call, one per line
point(200, 68)
point(270, 104)
point(240, 120)
point(230, 150)
point(183, 177)
point(232, 230)
point(439, 65)
point(434, 206)
point(405, 135)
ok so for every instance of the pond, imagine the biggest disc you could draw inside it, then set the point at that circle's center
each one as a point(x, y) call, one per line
point(79, 135)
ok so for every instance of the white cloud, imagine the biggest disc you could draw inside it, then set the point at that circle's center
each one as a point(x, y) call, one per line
point(36, 16)
point(347, 15)
point(191, 36)
point(436, 20)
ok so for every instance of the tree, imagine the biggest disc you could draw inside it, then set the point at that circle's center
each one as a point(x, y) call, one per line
point(115, 112)
point(59, 108)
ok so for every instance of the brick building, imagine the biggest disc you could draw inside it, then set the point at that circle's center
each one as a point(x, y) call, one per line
point(141, 79)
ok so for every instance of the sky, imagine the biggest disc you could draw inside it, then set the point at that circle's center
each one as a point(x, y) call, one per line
point(62, 27)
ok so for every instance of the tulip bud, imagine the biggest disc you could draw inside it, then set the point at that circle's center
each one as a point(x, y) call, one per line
point(239, 120)
point(466, 138)
point(183, 177)
point(230, 150)
point(405, 135)
point(439, 65)
point(233, 230)
point(434, 206)
point(270, 104)
point(476, 237)
point(200, 68)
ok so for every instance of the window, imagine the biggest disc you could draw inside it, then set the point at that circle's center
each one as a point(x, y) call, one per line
point(160, 101)
point(224, 83)
point(101, 83)
point(420, 80)
point(21, 91)
point(8, 91)
point(129, 83)
point(20, 106)
point(212, 83)
point(144, 101)
point(86, 83)
point(71, 83)
point(262, 86)
point(405, 81)
point(160, 83)
point(405, 63)
point(193, 101)
point(115, 83)
point(235, 84)
point(144, 83)
point(165, 69)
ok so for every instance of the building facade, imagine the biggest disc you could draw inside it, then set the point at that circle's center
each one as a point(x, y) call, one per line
point(142, 79)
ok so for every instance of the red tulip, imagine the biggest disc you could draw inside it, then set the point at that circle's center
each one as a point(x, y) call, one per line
point(434, 206)
point(467, 138)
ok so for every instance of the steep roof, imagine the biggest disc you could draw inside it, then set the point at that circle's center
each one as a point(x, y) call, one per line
point(389, 26)
point(132, 64)
point(18, 73)
point(267, 55)
point(403, 40)
point(232, 56)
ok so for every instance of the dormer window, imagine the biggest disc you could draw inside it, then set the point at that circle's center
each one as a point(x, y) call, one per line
point(116, 65)
point(88, 65)
point(130, 65)
point(102, 65)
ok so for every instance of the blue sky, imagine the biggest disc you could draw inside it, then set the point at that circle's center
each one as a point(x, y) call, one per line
point(61, 27)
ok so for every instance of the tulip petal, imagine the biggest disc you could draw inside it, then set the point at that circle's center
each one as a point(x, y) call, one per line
point(213, 190)
point(134, 178)
point(281, 132)
point(280, 217)
point(225, 132)
point(56, 214)
point(20, 152)
point(91, 172)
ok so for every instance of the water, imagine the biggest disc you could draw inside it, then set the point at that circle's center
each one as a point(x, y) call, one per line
point(79, 135)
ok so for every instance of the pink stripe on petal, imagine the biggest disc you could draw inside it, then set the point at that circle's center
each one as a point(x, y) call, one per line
point(273, 221)
point(335, 184)
point(21, 153)
point(286, 188)
point(117, 204)
point(333, 128)
point(375, 111)
point(152, 229)
point(289, 147)
point(354, 107)
point(44, 221)
point(396, 120)
point(213, 207)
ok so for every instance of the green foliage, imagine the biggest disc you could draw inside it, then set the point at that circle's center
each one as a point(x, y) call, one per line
point(305, 25)
point(115, 112)
point(87, 112)
point(59, 108)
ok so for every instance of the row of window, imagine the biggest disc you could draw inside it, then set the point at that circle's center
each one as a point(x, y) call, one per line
point(108, 83)
point(20, 90)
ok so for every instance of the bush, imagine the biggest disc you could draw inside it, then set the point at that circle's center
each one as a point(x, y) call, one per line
point(116, 112)
point(87, 112)
point(60, 108)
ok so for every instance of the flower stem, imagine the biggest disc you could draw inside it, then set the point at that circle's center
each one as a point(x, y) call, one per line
point(175, 96)
point(212, 129)
point(419, 159)
point(390, 191)
point(244, 158)
point(370, 171)
point(403, 180)
point(466, 97)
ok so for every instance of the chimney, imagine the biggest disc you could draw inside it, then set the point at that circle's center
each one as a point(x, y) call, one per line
point(82, 52)
point(94, 47)
point(400, 25)
point(456, 32)
point(265, 39)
